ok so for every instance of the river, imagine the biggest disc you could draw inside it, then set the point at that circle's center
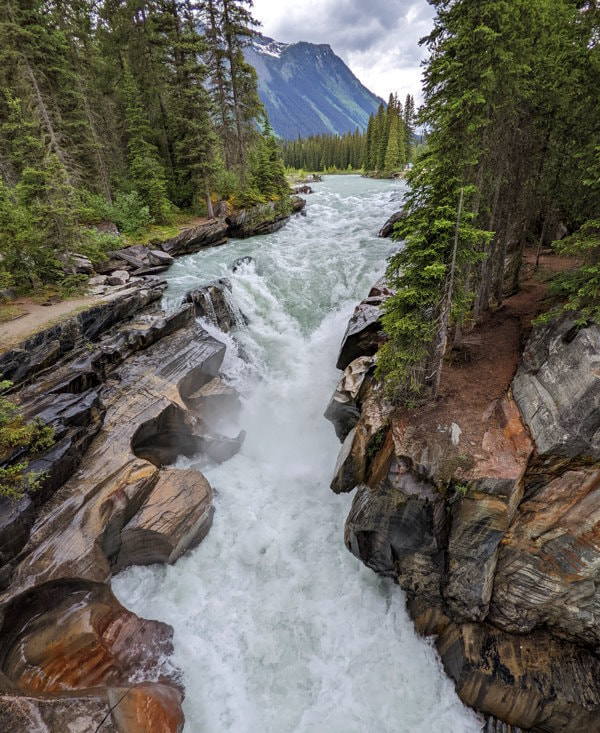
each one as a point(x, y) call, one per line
point(278, 628)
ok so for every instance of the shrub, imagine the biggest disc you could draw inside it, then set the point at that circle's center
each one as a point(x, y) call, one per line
point(17, 435)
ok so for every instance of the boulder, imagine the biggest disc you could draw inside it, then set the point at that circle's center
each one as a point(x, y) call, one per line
point(97, 280)
point(175, 517)
point(241, 262)
point(388, 228)
point(108, 227)
point(214, 303)
point(76, 264)
point(118, 277)
point(362, 337)
point(216, 402)
point(210, 233)
point(298, 204)
point(363, 443)
point(159, 258)
point(344, 408)
point(221, 209)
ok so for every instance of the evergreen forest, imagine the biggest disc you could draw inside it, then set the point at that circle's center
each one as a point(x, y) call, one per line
point(383, 149)
point(512, 100)
point(125, 111)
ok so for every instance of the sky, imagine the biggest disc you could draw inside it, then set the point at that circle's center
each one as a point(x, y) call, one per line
point(378, 39)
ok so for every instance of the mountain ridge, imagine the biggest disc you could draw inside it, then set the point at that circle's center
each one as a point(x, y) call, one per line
point(307, 89)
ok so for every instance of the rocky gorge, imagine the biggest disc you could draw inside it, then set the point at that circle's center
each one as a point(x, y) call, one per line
point(484, 509)
point(127, 388)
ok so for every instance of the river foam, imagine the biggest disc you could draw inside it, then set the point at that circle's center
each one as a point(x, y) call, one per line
point(278, 629)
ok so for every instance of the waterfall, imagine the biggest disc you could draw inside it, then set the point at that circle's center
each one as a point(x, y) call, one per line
point(278, 628)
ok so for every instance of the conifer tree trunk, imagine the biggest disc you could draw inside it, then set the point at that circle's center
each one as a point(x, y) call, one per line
point(220, 79)
point(234, 83)
point(445, 319)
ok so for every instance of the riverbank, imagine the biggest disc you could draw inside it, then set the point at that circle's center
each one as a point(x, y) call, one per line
point(472, 504)
point(125, 267)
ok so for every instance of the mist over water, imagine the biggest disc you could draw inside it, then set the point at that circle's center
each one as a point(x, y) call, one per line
point(278, 629)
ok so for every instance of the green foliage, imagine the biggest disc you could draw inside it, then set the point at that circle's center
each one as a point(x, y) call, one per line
point(384, 147)
point(267, 173)
point(511, 114)
point(461, 489)
point(119, 111)
point(579, 289)
point(17, 435)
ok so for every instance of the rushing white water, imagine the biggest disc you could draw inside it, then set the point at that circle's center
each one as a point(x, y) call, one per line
point(278, 629)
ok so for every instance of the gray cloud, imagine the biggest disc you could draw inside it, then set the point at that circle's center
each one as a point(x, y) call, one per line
point(378, 39)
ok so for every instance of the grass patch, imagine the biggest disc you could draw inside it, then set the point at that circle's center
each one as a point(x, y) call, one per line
point(10, 312)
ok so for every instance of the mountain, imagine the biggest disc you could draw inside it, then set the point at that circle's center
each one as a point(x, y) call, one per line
point(307, 89)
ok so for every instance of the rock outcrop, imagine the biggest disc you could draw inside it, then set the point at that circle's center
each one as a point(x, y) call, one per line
point(208, 234)
point(46, 347)
point(214, 303)
point(491, 529)
point(262, 219)
point(363, 335)
point(125, 398)
point(388, 228)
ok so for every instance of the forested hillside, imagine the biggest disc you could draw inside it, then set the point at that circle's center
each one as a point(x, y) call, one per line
point(512, 159)
point(123, 111)
point(384, 148)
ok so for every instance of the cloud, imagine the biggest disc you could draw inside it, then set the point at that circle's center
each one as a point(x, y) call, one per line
point(378, 39)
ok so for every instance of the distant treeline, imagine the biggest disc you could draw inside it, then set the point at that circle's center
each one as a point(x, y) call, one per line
point(384, 148)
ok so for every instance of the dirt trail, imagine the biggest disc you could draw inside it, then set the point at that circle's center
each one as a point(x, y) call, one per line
point(37, 317)
point(482, 372)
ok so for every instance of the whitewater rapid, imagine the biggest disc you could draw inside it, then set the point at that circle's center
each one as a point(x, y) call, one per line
point(278, 628)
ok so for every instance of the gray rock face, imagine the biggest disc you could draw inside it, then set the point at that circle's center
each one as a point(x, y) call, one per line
point(192, 240)
point(44, 349)
point(388, 228)
point(214, 303)
point(493, 531)
point(363, 335)
point(400, 536)
point(344, 409)
point(557, 389)
point(534, 682)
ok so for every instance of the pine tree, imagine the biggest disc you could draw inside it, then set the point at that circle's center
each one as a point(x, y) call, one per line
point(145, 168)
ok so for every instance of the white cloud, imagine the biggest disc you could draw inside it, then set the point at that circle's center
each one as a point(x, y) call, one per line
point(378, 39)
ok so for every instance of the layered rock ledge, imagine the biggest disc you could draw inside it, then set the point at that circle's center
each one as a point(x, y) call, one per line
point(127, 389)
point(488, 516)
